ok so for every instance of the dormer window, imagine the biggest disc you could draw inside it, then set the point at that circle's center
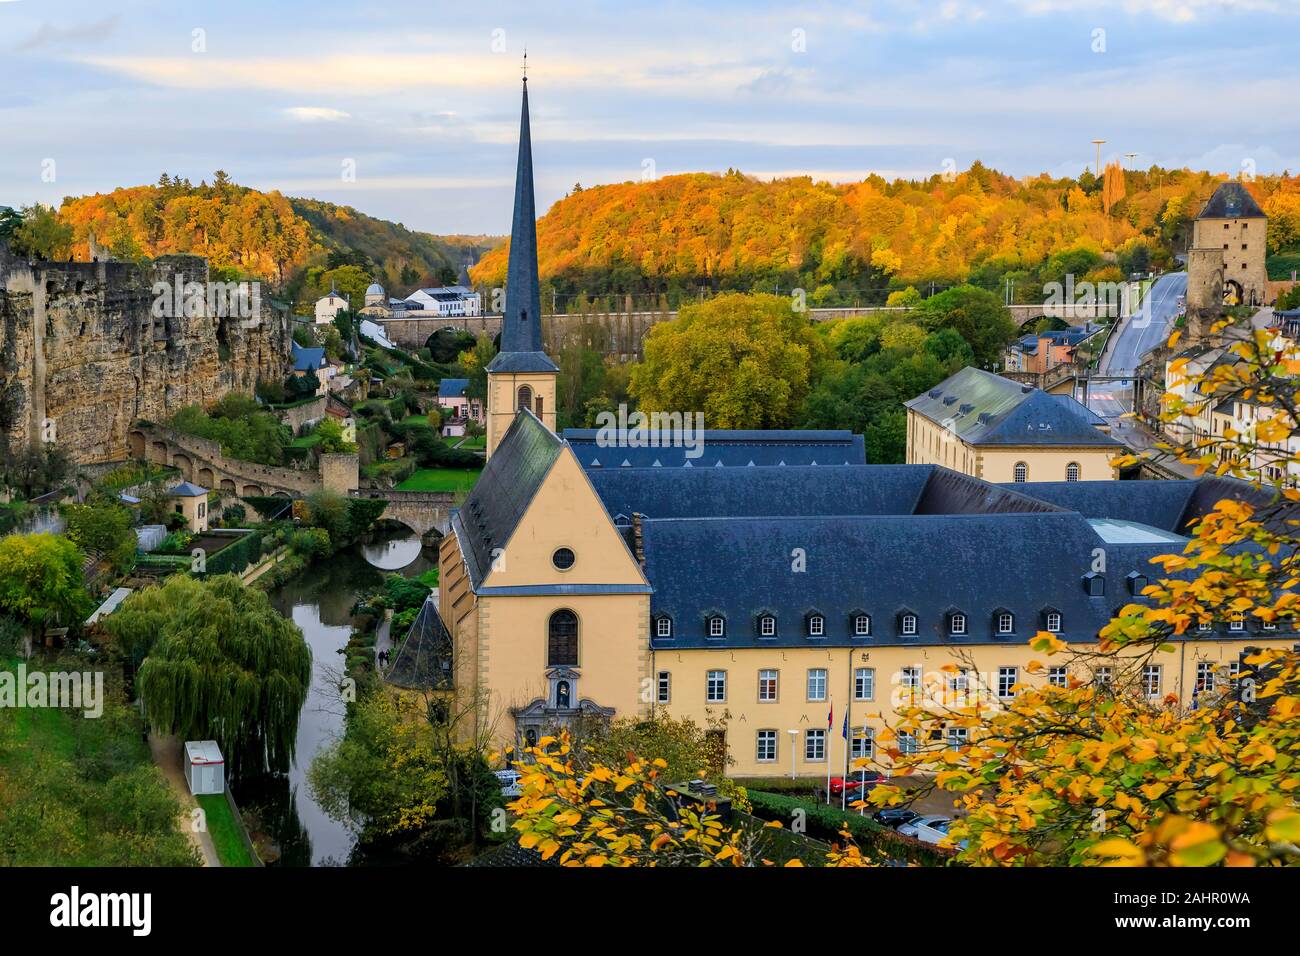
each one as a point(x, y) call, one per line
point(1136, 582)
point(861, 625)
point(1094, 584)
point(957, 623)
point(907, 623)
point(1005, 622)
point(767, 626)
point(1053, 622)
point(1237, 622)
point(717, 626)
point(816, 625)
point(664, 626)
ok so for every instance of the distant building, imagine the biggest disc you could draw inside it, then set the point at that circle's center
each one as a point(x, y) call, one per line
point(191, 501)
point(1042, 351)
point(438, 302)
point(451, 395)
point(1226, 261)
point(999, 430)
point(328, 306)
point(307, 361)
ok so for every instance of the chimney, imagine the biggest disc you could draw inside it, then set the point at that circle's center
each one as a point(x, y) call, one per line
point(638, 550)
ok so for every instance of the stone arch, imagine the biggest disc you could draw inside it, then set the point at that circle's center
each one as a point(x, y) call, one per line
point(158, 452)
point(207, 479)
point(228, 485)
point(185, 465)
point(136, 444)
point(251, 490)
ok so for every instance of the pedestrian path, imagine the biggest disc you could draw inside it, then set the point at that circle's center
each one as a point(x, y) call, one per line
point(168, 755)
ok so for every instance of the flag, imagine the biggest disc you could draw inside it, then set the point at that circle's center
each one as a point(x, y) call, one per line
point(830, 716)
point(845, 731)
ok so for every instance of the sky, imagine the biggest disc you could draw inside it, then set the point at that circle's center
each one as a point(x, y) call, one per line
point(410, 110)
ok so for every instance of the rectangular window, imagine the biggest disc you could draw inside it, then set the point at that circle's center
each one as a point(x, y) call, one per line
point(1204, 627)
point(1054, 622)
point(767, 685)
point(909, 623)
point(1006, 623)
point(814, 745)
point(910, 677)
point(906, 743)
point(1102, 675)
point(665, 685)
point(862, 743)
point(1056, 676)
point(959, 624)
point(959, 683)
point(864, 683)
point(664, 627)
point(1237, 623)
point(958, 736)
point(768, 627)
point(817, 683)
point(1151, 679)
point(1204, 676)
point(766, 751)
point(715, 627)
point(1007, 682)
point(716, 687)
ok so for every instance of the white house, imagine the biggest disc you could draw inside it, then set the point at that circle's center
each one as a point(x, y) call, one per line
point(328, 306)
point(447, 301)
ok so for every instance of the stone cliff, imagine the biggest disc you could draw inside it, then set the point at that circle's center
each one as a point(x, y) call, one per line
point(84, 352)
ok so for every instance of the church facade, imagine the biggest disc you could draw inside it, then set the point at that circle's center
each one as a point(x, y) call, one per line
point(776, 588)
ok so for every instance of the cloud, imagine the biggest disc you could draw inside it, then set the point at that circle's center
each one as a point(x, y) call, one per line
point(316, 114)
point(49, 35)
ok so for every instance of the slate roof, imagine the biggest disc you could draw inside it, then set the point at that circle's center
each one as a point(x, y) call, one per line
point(521, 323)
point(522, 362)
point(882, 565)
point(1232, 201)
point(307, 360)
point(724, 447)
point(986, 409)
point(503, 492)
point(188, 490)
point(1160, 504)
point(424, 660)
point(452, 387)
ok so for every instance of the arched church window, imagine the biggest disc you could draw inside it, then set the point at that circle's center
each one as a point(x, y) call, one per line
point(525, 398)
point(562, 639)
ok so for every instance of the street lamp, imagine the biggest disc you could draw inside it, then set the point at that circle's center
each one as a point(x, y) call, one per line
point(793, 735)
point(1098, 143)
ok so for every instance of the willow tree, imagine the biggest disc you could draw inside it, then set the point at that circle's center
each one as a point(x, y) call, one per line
point(219, 663)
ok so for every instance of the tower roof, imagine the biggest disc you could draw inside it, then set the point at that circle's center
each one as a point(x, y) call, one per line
point(521, 326)
point(1232, 201)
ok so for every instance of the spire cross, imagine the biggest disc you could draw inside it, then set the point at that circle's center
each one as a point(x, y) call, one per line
point(525, 64)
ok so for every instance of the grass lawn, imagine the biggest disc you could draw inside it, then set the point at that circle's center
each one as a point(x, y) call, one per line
point(440, 479)
point(306, 441)
point(1280, 264)
point(415, 420)
point(224, 830)
point(472, 443)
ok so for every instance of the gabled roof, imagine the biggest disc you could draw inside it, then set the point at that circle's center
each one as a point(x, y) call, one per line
point(986, 409)
point(424, 660)
point(307, 360)
point(1232, 201)
point(719, 447)
point(503, 492)
point(452, 387)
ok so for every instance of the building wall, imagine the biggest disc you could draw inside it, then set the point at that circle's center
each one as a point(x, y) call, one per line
point(502, 393)
point(1242, 245)
point(930, 444)
point(745, 715)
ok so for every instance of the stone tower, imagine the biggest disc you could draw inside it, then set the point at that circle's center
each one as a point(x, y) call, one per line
point(521, 375)
point(1226, 260)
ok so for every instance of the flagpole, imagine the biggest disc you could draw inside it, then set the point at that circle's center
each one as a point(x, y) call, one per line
point(848, 729)
point(830, 724)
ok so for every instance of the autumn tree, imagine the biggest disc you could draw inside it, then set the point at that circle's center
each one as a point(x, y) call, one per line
point(41, 580)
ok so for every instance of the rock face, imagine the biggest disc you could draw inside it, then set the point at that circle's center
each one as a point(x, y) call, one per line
point(88, 348)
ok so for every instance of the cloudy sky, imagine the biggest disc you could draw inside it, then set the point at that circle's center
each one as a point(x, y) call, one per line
point(421, 98)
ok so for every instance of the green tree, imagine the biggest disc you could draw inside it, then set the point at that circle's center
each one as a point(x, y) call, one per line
point(41, 580)
point(220, 663)
point(42, 235)
point(102, 529)
point(977, 315)
point(745, 361)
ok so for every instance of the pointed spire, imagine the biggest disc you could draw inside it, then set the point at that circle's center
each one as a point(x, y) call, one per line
point(521, 326)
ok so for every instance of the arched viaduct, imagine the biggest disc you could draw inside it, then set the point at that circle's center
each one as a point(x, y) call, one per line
point(424, 512)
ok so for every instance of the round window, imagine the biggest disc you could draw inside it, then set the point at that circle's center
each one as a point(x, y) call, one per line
point(562, 558)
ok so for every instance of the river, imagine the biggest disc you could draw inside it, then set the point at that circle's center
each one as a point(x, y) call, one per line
point(320, 602)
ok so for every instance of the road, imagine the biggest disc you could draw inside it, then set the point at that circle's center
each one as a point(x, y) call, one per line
point(1148, 328)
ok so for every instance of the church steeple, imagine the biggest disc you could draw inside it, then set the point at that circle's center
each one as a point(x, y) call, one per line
point(521, 376)
point(521, 325)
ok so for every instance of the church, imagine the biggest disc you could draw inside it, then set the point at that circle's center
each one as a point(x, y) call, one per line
point(775, 587)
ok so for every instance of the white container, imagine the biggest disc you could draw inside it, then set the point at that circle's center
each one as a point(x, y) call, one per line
point(205, 768)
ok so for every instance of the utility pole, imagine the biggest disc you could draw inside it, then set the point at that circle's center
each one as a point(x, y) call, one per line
point(1098, 143)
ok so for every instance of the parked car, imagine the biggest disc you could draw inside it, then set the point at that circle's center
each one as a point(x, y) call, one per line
point(927, 829)
point(857, 783)
point(895, 817)
point(509, 780)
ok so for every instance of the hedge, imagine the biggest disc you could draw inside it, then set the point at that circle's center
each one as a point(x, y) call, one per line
point(234, 558)
point(826, 821)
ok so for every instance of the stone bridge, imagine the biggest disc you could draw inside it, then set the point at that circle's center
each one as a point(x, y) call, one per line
point(424, 512)
point(201, 461)
point(621, 334)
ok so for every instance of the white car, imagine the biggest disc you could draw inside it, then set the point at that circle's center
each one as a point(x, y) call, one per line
point(509, 780)
point(927, 829)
